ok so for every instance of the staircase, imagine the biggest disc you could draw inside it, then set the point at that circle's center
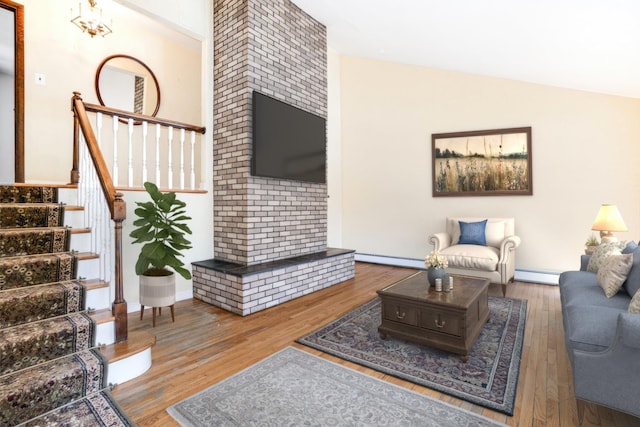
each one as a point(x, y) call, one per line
point(51, 372)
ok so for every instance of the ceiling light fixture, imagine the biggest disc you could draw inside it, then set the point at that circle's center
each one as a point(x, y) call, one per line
point(91, 21)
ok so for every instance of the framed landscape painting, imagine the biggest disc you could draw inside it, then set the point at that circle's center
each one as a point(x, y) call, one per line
point(482, 163)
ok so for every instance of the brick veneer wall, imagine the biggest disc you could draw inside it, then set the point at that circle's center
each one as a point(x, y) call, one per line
point(247, 294)
point(269, 234)
point(275, 48)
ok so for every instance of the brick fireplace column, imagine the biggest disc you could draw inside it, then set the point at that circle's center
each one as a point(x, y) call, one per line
point(273, 47)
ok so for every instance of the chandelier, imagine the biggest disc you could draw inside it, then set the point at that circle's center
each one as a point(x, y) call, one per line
point(91, 21)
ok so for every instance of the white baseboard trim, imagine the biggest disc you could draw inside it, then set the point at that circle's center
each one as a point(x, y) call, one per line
point(531, 276)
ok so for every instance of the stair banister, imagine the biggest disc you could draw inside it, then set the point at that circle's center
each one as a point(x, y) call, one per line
point(117, 206)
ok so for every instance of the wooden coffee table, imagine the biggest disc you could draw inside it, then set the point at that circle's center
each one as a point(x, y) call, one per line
point(449, 321)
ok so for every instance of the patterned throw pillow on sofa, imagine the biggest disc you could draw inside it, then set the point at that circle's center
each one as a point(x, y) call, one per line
point(601, 253)
point(613, 272)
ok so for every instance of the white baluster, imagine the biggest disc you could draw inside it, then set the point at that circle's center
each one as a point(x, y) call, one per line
point(170, 165)
point(99, 128)
point(115, 151)
point(130, 153)
point(144, 151)
point(157, 154)
point(192, 177)
point(182, 159)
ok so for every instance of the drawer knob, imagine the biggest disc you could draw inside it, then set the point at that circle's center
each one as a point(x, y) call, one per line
point(440, 323)
point(400, 315)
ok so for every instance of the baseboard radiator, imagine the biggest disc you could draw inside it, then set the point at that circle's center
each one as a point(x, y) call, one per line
point(531, 276)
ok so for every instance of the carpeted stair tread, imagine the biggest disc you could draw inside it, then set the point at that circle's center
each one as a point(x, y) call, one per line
point(28, 270)
point(31, 343)
point(28, 194)
point(28, 215)
point(30, 241)
point(96, 410)
point(32, 303)
point(33, 391)
point(51, 373)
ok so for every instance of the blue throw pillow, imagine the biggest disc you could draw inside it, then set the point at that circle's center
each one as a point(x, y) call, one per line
point(472, 233)
point(631, 246)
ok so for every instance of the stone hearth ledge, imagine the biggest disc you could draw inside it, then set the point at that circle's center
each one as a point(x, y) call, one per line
point(248, 289)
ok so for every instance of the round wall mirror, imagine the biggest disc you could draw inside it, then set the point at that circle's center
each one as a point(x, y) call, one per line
point(126, 83)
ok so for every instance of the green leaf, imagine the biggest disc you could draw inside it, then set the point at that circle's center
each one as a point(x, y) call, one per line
point(161, 228)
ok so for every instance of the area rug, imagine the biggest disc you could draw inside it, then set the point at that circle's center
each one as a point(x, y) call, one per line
point(489, 378)
point(295, 388)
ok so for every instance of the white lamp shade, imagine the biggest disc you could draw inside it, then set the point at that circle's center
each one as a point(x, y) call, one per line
point(609, 219)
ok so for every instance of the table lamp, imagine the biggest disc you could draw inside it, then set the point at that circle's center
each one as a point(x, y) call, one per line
point(607, 221)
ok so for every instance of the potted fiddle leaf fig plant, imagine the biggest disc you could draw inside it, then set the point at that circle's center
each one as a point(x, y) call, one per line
point(161, 228)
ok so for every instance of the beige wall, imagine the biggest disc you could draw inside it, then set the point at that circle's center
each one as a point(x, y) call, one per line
point(334, 152)
point(585, 151)
point(56, 48)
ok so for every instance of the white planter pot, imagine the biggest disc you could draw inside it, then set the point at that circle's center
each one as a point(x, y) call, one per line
point(157, 291)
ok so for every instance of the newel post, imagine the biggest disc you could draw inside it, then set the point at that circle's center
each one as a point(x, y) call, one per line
point(75, 173)
point(119, 306)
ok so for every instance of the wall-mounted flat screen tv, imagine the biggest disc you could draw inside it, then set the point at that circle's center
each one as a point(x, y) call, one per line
point(288, 143)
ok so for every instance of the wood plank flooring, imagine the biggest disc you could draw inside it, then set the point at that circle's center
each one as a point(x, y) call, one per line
point(207, 344)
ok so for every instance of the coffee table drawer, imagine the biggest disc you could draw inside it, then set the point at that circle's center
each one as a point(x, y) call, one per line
point(400, 313)
point(446, 323)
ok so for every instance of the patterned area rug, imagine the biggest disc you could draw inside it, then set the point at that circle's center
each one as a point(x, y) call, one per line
point(489, 378)
point(295, 388)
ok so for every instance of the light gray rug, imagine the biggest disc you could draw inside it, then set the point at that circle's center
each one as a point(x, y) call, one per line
point(296, 388)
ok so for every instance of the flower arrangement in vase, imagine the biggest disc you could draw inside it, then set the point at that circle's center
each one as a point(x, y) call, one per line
point(436, 265)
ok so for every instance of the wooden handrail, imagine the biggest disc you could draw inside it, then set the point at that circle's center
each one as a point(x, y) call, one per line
point(95, 108)
point(81, 122)
point(117, 206)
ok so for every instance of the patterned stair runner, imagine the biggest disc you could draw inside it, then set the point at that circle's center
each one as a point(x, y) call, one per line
point(50, 371)
point(32, 343)
point(28, 270)
point(28, 241)
point(32, 303)
point(98, 409)
point(27, 215)
point(28, 393)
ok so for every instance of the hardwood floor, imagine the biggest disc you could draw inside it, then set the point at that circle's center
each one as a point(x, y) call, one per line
point(207, 344)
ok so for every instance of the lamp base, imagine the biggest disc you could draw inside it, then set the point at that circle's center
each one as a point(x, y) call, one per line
point(607, 237)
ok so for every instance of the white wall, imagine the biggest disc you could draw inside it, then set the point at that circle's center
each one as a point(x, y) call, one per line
point(182, 64)
point(69, 59)
point(585, 150)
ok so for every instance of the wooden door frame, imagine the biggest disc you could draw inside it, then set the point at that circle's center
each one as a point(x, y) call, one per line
point(18, 11)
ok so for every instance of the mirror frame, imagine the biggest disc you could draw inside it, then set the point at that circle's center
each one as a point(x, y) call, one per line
point(153, 76)
point(18, 11)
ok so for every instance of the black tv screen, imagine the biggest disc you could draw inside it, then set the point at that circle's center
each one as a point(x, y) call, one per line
point(288, 143)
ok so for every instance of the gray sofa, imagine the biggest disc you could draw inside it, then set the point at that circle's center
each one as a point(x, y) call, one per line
point(602, 338)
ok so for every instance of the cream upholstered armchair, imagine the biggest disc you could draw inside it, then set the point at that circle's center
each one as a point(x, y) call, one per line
point(479, 247)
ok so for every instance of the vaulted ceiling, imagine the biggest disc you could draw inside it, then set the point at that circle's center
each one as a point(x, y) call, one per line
point(591, 45)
